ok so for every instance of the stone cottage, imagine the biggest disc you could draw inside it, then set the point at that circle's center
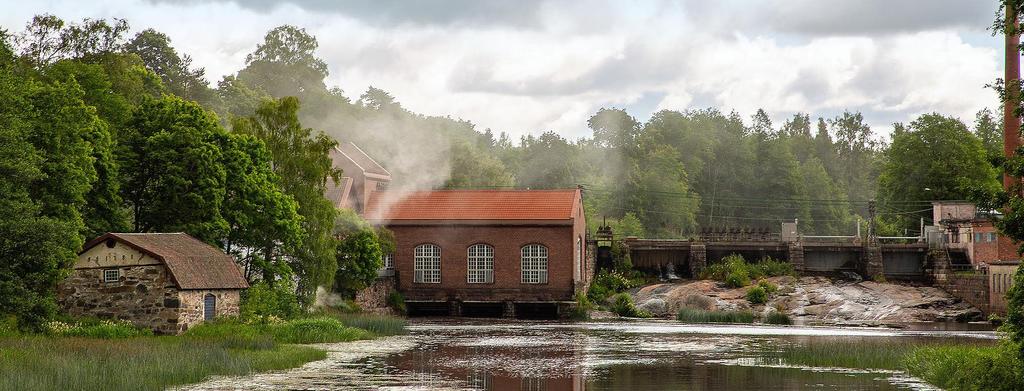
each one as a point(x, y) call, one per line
point(164, 281)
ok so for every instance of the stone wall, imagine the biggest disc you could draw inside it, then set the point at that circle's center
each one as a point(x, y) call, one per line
point(192, 311)
point(971, 288)
point(375, 297)
point(144, 295)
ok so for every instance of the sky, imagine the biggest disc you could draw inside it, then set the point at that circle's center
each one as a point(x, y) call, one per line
point(529, 66)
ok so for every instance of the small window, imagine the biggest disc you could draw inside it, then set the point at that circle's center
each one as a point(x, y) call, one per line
point(535, 264)
point(389, 261)
point(480, 264)
point(427, 264)
point(111, 275)
point(977, 238)
point(991, 236)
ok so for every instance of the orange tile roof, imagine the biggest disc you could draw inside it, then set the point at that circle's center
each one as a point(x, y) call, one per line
point(473, 205)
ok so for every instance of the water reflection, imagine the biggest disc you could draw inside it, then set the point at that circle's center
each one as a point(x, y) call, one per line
point(632, 356)
point(478, 355)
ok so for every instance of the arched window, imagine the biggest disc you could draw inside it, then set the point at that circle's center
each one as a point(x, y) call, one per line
point(427, 264)
point(535, 264)
point(209, 306)
point(480, 264)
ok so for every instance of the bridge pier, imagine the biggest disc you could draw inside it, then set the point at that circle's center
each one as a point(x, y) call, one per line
point(698, 259)
point(796, 257)
point(871, 261)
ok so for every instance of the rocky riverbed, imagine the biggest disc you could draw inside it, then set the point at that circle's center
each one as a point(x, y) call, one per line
point(815, 300)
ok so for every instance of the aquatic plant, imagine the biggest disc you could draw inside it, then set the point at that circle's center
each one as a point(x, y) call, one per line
point(581, 311)
point(968, 367)
point(376, 324)
point(691, 315)
point(776, 317)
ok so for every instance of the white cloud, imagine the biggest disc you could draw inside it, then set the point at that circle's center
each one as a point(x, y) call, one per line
point(551, 65)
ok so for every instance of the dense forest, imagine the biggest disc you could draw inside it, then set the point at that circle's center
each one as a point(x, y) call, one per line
point(104, 131)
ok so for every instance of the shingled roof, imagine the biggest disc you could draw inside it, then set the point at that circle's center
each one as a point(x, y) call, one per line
point(193, 264)
point(480, 205)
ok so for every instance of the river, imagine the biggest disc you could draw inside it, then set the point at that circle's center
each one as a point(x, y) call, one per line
point(648, 355)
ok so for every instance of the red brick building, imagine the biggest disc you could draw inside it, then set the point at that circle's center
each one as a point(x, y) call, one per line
point(494, 250)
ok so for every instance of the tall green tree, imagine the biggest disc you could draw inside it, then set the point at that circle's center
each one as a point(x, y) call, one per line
point(176, 71)
point(300, 157)
point(171, 160)
point(45, 173)
point(935, 158)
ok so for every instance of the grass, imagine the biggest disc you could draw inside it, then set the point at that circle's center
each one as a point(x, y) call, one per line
point(968, 367)
point(147, 363)
point(91, 354)
point(948, 365)
point(690, 315)
point(866, 353)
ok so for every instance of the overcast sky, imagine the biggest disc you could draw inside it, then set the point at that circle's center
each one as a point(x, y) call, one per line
point(526, 66)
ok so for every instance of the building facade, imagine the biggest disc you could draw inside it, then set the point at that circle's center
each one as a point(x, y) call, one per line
point(167, 282)
point(361, 177)
point(511, 248)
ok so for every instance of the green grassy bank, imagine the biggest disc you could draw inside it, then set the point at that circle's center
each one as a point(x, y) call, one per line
point(950, 365)
point(106, 356)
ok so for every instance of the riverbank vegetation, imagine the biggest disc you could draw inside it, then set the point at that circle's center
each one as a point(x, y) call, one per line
point(107, 355)
point(737, 272)
point(690, 315)
point(139, 363)
point(959, 365)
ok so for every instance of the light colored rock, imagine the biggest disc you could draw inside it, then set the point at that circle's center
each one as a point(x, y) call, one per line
point(816, 300)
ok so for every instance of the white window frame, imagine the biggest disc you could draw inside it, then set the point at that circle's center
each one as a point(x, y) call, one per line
point(427, 264)
point(107, 275)
point(388, 261)
point(534, 264)
point(480, 264)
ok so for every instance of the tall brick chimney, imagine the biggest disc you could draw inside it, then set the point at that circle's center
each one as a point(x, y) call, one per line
point(1011, 124)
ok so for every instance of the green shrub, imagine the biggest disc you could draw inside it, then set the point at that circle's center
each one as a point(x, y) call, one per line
point(768, 287)
point(93, 328)
point(737, 278)
point(690, 315)
point(608, 283)
point(775, 317)
point(396, 301)
point(622, 304)
point(735, 272)
point(262, 300)
point(582, 309)
point(757, 295)
point(879, 278)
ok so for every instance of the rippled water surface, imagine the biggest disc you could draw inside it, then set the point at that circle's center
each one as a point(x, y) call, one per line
point(484, 355)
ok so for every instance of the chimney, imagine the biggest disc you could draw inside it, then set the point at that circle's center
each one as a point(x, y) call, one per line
point(1011, 124)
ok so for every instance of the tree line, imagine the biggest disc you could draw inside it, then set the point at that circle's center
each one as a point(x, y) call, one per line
point(105, 132)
